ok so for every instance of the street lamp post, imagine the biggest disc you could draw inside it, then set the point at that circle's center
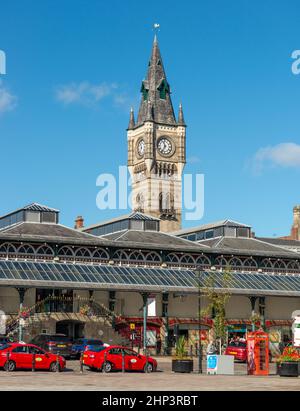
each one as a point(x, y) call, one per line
point(198, 273)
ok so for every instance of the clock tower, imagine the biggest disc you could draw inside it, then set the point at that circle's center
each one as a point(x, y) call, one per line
point(156, 149)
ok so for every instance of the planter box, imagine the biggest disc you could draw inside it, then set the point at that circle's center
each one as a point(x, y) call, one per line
point(185, 366)
point(288, 369)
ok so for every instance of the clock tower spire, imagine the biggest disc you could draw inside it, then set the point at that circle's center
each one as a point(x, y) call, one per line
point(156, 149)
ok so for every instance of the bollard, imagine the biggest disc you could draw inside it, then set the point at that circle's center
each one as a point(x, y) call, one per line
point(7, 360)
point(81, 363)
point(104, 362)
point(123, 361)
point(146, 365)
point(33, 363)
point(57, 362)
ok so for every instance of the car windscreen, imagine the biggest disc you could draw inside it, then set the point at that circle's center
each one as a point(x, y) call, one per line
point(94, 342)
point(238, 344)
point(96, 348)
point(58, 338)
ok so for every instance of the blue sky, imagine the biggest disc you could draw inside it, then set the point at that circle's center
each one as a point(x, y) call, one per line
point(74, 68)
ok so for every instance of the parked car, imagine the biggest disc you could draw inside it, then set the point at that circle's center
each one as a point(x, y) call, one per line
point(238, 349)
point(20, 356)
point(4, 340)
point(54, 343)
point(110, 359)
point(83, 344)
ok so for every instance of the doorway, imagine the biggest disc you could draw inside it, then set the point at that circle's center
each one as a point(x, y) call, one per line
point(73, 329)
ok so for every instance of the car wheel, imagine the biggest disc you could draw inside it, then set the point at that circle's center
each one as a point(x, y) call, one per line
point(107, 367)
point(148, 367)
point(53, 367)
point(10, 366)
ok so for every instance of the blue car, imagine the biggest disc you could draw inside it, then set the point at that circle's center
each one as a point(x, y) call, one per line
point(82, 344)
point(4, 340)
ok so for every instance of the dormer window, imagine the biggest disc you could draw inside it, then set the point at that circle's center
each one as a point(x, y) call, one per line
point(163, 89)
point(145, 92)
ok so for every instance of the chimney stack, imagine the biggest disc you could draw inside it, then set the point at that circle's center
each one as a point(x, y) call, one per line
point(79, 223)
point(295, 232)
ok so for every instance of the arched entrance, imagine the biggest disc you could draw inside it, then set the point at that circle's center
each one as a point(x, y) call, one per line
point(71, 328)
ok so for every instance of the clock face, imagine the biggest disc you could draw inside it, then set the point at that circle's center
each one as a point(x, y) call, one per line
point(164, 146)
point(141, 147)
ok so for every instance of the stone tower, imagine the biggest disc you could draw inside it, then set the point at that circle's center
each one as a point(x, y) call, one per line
point(156, 149)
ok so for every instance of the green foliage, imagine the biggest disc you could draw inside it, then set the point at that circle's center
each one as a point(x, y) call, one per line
point(217, 300)
point(180, 348)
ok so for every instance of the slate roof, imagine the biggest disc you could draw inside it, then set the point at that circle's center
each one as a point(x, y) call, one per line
point(58, 233)
point(280, 241)
point(28, 231)
point(242, 245)
point(155, 108)
point(135, 215)
point(154, 239)
point(208, 226)
point(32, 207)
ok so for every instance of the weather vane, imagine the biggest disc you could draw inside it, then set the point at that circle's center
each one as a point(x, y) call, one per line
point(156, 27)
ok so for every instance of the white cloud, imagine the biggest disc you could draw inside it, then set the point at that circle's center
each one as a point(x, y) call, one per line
point(84, 93)
point(7, 100)
point(193, 160)
point(281, 155)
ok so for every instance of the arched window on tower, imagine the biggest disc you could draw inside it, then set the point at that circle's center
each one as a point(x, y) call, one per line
point(140, 203)
point(166, 202)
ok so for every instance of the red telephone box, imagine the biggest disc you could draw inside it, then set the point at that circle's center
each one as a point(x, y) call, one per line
point(258, 353)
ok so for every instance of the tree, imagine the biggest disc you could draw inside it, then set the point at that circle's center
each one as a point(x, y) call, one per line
point(217, 297)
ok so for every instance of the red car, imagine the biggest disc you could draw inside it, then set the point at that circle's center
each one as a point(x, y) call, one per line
point(238, 349)
point(20, 356)
point(110, 359)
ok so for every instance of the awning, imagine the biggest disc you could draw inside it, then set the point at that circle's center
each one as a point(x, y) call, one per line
point(109, 277)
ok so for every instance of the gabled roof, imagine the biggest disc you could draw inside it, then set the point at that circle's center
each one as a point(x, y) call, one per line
point(154, 239)
point(39, 207)
point(135, 215)
point(32, 207)
point(280, 241)
point(28, 231)
point(243, 245)
point(221, 223)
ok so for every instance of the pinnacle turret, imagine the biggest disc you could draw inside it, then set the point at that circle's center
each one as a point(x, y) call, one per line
point(180, 121)
point(131, 120)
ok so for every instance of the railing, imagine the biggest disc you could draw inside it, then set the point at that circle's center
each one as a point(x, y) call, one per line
point(13, 324)
point(62, 304)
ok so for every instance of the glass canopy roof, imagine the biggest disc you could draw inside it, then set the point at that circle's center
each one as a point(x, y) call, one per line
point(58, 275)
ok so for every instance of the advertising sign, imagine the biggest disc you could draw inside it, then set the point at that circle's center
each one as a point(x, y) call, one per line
point(296, 331)
point(151, 302)
point(212, 364)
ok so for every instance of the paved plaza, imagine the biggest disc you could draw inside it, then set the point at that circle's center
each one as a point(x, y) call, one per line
point(164, 379)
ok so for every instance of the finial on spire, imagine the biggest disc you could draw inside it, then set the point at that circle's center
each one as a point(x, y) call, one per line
point(156, 27)
point(180, 116)
point(131, 120)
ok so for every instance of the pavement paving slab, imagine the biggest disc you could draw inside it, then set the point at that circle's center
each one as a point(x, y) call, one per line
point(163, 380)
